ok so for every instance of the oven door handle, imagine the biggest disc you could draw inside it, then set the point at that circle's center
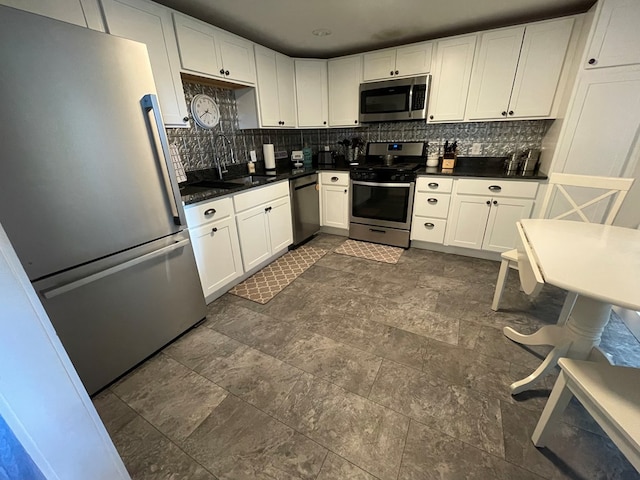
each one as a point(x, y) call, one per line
point(376, 184)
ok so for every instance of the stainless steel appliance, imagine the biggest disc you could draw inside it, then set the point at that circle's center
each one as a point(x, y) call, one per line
point(382, 192)
point(394, 100)
point(326, 158)
point(88, 195)
point(305, 207)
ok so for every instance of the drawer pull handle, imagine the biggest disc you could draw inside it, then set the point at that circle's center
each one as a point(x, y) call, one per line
point(433, 185)
point(495, 188)
point(214, 229)
point(433, 201)
point(334, 179)
point(210, 211)
point(429, 225)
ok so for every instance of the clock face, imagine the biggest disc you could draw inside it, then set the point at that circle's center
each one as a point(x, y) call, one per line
point(205, 111)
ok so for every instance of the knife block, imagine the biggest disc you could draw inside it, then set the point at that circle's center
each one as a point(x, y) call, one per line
point(449, 160)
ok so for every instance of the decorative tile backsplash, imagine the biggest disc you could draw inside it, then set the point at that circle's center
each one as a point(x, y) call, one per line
point(201, 149)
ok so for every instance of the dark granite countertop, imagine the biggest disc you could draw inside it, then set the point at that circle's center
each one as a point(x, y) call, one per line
point(483, 167)
point(193, 191)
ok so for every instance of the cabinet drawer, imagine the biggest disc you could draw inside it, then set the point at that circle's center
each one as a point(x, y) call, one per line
point(260, 195)
point(204, 212)
point(428, 229)
point(334, 178)
point(432, 204)
point(434, 184)
point(497, 188)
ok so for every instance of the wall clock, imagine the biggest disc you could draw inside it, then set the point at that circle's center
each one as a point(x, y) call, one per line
point(205, 111)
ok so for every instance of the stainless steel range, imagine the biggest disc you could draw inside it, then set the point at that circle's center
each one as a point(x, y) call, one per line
point(382, 189)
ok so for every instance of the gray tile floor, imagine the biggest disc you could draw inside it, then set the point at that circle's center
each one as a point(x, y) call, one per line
point(360, 370)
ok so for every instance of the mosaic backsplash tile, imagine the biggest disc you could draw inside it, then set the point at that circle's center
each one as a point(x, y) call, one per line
point(227, 143)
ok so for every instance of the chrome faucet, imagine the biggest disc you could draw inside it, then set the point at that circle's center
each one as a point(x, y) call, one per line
point(218, 159)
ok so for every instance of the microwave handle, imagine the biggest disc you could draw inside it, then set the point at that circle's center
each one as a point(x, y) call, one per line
point(413, 83)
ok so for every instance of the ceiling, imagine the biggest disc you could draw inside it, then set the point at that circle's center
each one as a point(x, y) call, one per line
point(361, 25)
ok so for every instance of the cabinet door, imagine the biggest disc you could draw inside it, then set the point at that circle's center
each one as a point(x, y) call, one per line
point(501, 233)
point(217, 253)
point(237, 57)
point(253, 232)
point(151, 24)
point(286, 90)
point(312, 93)
point(335, 206)
point(379, 65)
point(602, 126)
point(70, 11)
point(468, 221)
point(539, 68)
point(617, 36)
point(267, 76)
point(280, 227)
point(414, 59)
point(493, 73)
point(344, 91)
point(451, 74)
point(197, 46)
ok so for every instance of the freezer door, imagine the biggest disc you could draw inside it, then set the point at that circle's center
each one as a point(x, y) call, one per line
point(112, 314)
point(83, 171)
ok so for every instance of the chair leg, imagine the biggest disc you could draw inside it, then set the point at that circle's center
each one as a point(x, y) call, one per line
point(558, 401)
point(500, 284)
point(569, 302)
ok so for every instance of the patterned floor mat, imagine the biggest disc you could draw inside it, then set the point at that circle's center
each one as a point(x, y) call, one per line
point(273, 278)
point(370, 251)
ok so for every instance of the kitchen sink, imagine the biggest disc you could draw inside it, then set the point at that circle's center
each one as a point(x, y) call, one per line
point(251, 180)
point(214, 184)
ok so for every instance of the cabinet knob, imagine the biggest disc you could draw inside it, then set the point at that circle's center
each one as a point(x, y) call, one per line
point(429, 225)
point(210, 211)
point(510, 112)
point(504, 113)
point(495, 188)
point(214, 229)
point(430, 117)
point(345, 190)
point(495, 202)
point(397, 72)
point(433, 185)
point(334, 179)
point(268, 209)
point(391, 72)
point(185, 119)
point(592, 61)
point(226, 72)
point(324, 123)
point(488, 202)
point(432, 200)
point(222, 71)
point(356, 121)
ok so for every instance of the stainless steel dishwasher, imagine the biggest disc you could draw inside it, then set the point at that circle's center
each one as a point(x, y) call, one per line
point(305, 207)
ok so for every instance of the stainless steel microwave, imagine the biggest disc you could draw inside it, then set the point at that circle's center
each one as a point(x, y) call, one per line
point(394, 100)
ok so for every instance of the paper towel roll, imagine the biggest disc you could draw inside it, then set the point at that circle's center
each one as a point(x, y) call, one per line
point(269, 156)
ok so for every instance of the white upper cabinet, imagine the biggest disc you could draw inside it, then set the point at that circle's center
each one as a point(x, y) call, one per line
point(275, 74)
point(206, 50)
point(616, 39)
point(397, 62)
point(517, 70)
point(451, 74)
point(150, 23)
point(85, 13)
point(345, 76)
point(312, 93)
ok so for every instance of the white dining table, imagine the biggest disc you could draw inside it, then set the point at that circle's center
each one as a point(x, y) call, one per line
point(601, 263)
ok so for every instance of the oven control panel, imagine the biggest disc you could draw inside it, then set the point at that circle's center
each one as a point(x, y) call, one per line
point(384, 176)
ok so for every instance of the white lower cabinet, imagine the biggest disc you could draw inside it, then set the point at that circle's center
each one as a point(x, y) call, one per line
point(431, 209)
point(334, 200)
point(215, 243)
point(487, 221)
point(264, 223)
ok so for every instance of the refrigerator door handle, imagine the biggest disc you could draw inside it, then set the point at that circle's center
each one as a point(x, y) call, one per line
point(150, 102)
point(54, 292)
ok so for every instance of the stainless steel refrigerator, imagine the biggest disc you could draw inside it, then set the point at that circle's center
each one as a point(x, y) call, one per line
point(88, 195)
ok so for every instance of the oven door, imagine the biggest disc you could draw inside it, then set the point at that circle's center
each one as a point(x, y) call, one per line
point(382, 204)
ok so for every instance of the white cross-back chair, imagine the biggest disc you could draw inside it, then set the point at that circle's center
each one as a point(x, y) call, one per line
point(614, 190)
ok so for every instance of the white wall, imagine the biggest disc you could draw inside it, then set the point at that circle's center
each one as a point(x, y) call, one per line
point(41, 396)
